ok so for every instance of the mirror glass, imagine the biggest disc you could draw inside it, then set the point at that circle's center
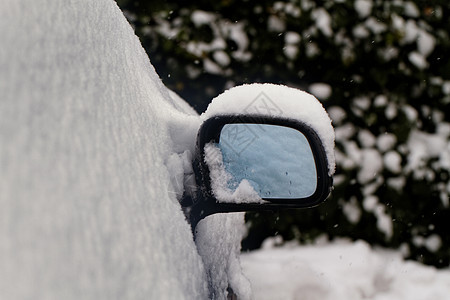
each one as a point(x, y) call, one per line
point(277, 161)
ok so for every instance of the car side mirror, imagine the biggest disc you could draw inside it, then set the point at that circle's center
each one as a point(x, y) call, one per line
point(248, 163)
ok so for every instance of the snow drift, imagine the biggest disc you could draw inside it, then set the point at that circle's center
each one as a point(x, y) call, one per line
point(340, 270)
point(86, 205)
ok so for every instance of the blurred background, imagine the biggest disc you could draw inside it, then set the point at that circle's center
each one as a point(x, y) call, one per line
point(382, 71)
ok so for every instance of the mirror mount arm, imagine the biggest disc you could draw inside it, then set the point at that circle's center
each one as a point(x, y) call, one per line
point(206, 204)
point(202, 209)
point(209, 207)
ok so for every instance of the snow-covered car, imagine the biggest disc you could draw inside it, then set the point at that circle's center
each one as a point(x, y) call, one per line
point(96, 156)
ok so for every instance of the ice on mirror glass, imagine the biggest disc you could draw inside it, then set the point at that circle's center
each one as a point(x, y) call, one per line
point(277, 161)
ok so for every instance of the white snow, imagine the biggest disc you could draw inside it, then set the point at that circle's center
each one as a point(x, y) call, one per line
point(411, 9)
point(386, 141)
point(384, 220)
point(292, 37)
point(312, 49)
point(398, 22)
point(371, 164)
point(424, 145)
point(363, 8)
point(446, 87)
point(362, 102)
point(94, 151)
point(291, 51)
point(341, 270)
point(323, 21)
point(397, 182)
point(211, 67)
point(380, 100)
point(275, 24)
point(375, 26)
point(292, 9)
point(391, 111)
point(200, 17)
point(418, 60)
point(360, 31)
point(425, 43)
point(411, 31)
point(370, 203)
point(237, 33)
point(218, 238)
point(345, 132)
point(220, 178)
point(433, 243)
point(366, 138)
point(337, 114)
point(221, 58)
point(222, 30)
point(321, 90)
point(277, 101)
point(353, 157)
point(392, 162)
point(351, 210)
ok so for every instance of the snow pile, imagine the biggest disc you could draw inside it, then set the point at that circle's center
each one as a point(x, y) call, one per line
point(277, 101)
point(363, 8)
point(424, 146)
point(415, 32)
point(321, 90)
point(341, 270)
point(292, 39)
point(218, 238)
point(86, 208)
point(220, 179)
point(323, 21)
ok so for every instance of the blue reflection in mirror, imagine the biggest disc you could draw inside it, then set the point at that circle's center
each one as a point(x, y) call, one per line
point(276, 160)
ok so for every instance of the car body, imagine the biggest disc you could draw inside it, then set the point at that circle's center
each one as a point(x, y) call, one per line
point(96, 155)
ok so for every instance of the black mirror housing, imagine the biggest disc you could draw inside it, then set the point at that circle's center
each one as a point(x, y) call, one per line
point(207, 202)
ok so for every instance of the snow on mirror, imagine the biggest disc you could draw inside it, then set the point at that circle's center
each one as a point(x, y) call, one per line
point(276, 161)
